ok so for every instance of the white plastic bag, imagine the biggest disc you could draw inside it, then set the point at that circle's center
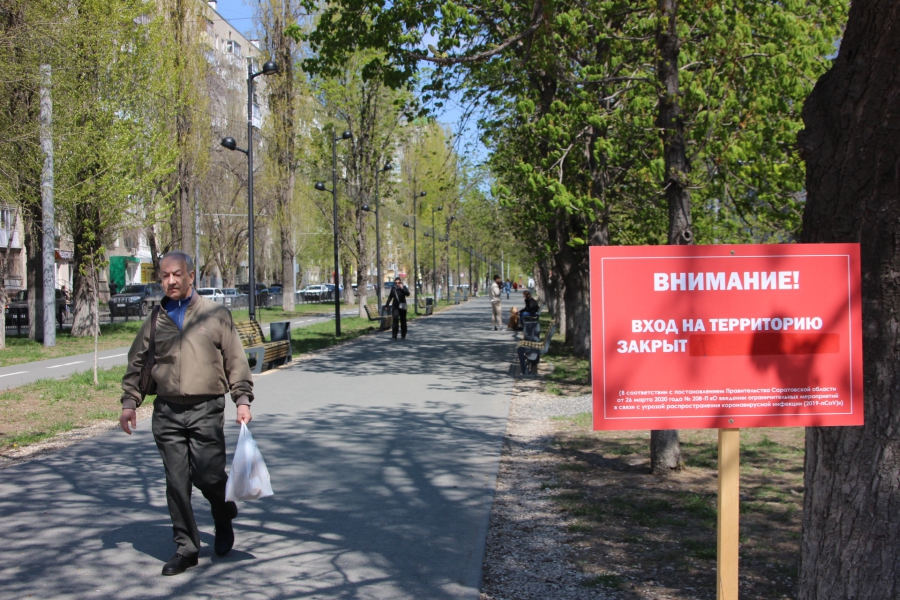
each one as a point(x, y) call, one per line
point(249, 477)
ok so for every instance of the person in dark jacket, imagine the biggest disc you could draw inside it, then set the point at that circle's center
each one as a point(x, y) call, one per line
point(531, 306)
point(397, 302)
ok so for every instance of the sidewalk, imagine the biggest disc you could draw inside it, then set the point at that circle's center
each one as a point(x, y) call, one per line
point(383, 458)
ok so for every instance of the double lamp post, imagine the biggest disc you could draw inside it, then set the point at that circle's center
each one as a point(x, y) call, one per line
point(268, 68)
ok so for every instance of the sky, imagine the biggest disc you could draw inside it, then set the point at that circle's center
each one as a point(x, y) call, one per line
point(240, 14)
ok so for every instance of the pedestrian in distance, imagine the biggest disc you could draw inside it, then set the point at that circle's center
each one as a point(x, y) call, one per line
point(196, 357)
point(397, 303)
point(506, 288)
point(496, 310)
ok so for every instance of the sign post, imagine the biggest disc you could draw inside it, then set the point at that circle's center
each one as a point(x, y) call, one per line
point(728, 521)
point(726, 337)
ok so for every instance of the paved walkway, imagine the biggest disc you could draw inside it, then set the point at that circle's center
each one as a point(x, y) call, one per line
point(383, 457)
point(59, 368)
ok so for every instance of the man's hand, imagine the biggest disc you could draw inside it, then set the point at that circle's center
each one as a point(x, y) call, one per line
point(128, 416)
point(243, 414)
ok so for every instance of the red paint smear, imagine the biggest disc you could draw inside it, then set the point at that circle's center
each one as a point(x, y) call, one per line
point(762, 344)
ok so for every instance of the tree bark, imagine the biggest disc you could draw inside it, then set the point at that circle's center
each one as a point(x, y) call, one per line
point(665, 449)
point(850, 544)
point(34, 279)
point(85, 293)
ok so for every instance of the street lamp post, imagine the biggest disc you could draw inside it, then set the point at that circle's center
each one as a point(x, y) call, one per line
point(434, 253)
point(449, 223)
point(268, 68)
point(387, 167)
point(321, 187)
point(415, 250)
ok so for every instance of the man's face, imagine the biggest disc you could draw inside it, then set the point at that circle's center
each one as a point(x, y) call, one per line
point(177, 281)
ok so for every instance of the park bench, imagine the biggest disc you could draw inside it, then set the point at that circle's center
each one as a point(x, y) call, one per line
point(531, 347)
point(428, 308)
point(385, 321)
point(266, 353)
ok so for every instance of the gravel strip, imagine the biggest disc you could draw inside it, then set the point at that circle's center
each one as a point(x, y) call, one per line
point(528, 556)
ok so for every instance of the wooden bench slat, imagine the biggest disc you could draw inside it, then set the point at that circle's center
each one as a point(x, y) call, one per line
point(251, 335)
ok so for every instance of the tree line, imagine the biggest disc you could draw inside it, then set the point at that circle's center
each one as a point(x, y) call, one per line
point(142, 97)
point(681, 121)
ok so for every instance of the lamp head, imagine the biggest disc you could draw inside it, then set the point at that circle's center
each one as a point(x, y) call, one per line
point(365, 207)
point(346, 135)
point(320, 186)
point(406, 223)
point(439, 208)
point(387, 166)
point(422, 194)
point(229, 143)
point(269, 67)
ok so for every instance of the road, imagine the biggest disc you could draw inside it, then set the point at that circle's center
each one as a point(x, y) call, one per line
point(60, 368)
point(383, 456)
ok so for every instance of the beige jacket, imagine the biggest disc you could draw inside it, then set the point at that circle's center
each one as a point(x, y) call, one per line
point(495, 292)
point(204, 360)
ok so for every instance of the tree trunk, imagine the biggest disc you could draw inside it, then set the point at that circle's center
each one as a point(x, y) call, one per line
point(850, 544)
point(154, 251)
point(665, 449)
point(85, 293)
point(34, 279)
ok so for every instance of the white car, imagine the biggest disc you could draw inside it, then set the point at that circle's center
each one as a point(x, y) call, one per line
point(214, 294)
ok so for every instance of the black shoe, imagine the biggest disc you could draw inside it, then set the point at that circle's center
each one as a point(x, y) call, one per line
point(394, 337)
point(225, 532)
point(178, 565)
point(404, 337)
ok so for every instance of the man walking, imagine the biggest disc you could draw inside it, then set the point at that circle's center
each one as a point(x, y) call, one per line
point(199, 358)
point(496, 315)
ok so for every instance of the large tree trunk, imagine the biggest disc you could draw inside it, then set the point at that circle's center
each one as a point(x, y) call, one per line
point(665, 449)
point(34, 279)
point(850, 545)
point(84, 319)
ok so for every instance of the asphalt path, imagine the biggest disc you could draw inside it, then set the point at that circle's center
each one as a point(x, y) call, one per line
point(383, 456)
point(60, 368)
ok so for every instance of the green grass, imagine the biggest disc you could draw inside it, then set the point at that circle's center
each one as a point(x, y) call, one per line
point(700, 549)
point(19, 349)
point(584, 419)
point(45, 408)
point(321, 335)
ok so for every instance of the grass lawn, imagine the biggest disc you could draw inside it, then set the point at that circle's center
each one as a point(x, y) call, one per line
point(657, 537)
point(321, 335)
point(39, 410)
point(19, 349)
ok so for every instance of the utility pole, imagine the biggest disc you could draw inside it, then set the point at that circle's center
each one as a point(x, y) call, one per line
point(197, 237)
point(48, 241)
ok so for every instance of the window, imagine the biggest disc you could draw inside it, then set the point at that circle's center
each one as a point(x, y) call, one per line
point(232, 47)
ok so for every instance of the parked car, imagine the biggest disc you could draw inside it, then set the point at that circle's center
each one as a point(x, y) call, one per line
point(315, 293)
point(370, 289)
point(233, 298)
point(16, 312)
point(214, 294)
point(276, 288)
point(262, 293)
point(136, 299)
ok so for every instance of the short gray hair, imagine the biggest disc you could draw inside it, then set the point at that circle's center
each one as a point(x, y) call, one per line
point(180, 255)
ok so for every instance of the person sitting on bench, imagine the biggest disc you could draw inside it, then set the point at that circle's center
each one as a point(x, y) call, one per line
point(531, 306)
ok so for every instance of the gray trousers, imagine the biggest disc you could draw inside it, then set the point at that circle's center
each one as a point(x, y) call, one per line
point(191, 441)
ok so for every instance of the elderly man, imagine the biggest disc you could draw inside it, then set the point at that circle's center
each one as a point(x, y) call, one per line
point(199, 358)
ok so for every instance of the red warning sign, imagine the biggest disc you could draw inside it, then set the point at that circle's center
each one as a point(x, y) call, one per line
point(726, 336)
